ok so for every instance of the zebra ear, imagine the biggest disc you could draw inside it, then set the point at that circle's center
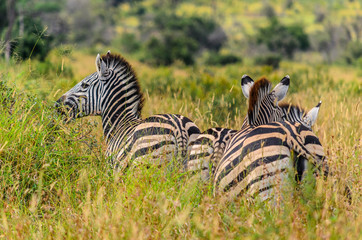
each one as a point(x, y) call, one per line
point(101, 66)
point(311, 117)
point(281, 89)
point(246, 84)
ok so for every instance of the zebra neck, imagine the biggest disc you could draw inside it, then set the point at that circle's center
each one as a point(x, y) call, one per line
point(120, 131)
point(121, 106)
point(245, 123)
point(264, 113)
point(115, 123)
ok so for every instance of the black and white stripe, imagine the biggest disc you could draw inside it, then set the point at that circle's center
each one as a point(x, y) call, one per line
point(206, 150)
point(114, 93)
point(263, 103)
point(258, 158)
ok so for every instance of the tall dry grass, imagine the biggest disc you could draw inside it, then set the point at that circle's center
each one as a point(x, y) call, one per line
point(55, 181)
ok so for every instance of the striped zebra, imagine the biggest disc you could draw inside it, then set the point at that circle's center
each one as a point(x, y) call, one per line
point(207, 148)
point(113, 92)
point(257, 158)
point(205, 151)
point(263, 103)
point(265, 109)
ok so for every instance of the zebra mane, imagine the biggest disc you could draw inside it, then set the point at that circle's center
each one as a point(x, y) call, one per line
point(116, 62)
point(258, 91)
point(292, 112)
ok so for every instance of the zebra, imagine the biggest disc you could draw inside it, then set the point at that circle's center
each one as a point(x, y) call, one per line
point(263, 103)
point(264, 110)
point(205, 151)
point(258, 156)
point(113, 92)
point(207, 148)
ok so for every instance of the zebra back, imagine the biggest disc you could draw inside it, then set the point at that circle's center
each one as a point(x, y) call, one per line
point(258, 158)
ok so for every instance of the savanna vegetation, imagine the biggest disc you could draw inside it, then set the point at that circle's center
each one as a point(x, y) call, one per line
point(189, 56)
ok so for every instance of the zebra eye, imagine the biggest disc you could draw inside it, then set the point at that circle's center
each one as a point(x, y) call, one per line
point(85, 85)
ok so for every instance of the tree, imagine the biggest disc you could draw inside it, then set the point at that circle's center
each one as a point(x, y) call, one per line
point(11, 15)
point(88, 21)
point(180, 38)
point(24, 28)
point(281, 39)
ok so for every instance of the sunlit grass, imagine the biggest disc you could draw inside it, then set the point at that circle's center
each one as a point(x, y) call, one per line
point(56, 183)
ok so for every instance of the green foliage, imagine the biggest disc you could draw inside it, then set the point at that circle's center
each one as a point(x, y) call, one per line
point(269, 59)
point(47, 7)
point(353, 53)
point(48, 69)
point(3, 19)
point(285, 40)
point(115, 3)
point(35, 42)
point(200, 86)
point(171, 48)
point(180, 38)
point(268, 11)
point(34, 149)
point(222, 59)
point(128, 42)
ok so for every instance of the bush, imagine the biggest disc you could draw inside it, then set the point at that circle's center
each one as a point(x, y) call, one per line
point(180, 38)
point(285, 40)
point(128, 42)
point(222, 59)
point(34, 43)
point(268, 11)
point(171, 48)
point(353, 52)
point(269, 60)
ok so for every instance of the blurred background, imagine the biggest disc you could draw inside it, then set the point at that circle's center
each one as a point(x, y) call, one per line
point(185, 51)
point(165, 32)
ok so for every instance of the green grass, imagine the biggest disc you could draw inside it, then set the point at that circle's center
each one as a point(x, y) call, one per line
point(55, 181)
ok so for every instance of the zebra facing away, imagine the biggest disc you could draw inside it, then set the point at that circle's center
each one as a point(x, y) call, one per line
point(263, 103)
point(113, 92)
point(263, 110)
point(206, 150)
point(257, 158)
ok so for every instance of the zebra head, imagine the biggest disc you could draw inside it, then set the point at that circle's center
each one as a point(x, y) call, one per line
point(263, 103)
point(84, 98)
point(113, 84)
point(80, 100)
